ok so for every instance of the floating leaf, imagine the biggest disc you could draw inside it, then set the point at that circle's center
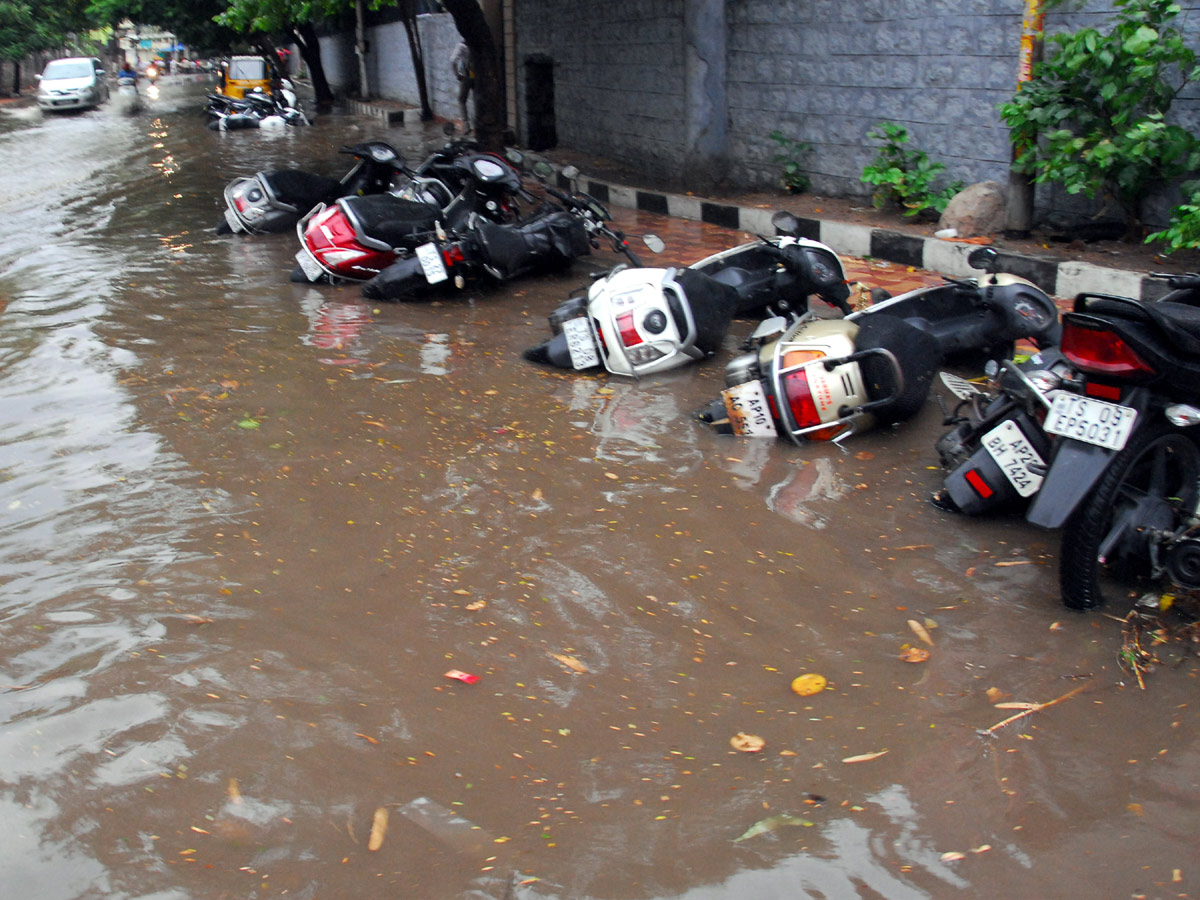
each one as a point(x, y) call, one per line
point(571, 663)
point(808, 684)
point(476, 605)
point(865, 757)
point(766, 826)
point(747, 743)
point(914, 655)
point(919, 630)
point(378, 829)
point(248, 423)
point(953, 856)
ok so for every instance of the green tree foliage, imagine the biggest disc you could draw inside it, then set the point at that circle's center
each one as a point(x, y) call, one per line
point(28, 26)
point(1094, 117)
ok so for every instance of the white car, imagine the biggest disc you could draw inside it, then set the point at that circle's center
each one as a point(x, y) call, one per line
point(74, 83)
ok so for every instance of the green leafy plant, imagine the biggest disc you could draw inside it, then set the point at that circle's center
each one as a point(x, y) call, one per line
point(792, 179)
point(903, 176)
point(1093, 118)
point(1183, 231)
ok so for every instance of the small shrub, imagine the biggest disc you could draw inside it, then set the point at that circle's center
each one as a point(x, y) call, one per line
point(792, 179)
point(903, 176)
point(1183, 231)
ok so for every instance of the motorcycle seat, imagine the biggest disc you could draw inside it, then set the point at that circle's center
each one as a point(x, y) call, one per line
point(302, 189)
point(387, 218)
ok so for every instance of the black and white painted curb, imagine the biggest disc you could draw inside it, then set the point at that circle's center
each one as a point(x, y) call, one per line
point(1060, 278)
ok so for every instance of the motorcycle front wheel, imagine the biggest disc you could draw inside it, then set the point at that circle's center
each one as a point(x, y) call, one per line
point(1150, 486)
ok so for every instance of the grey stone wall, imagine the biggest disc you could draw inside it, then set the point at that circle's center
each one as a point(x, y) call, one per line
point(619, 82)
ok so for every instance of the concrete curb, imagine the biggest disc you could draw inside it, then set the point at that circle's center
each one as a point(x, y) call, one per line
point(389, 117)
point(1060, 278)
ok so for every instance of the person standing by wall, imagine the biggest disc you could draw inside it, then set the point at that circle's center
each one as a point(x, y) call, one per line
point(464, 71)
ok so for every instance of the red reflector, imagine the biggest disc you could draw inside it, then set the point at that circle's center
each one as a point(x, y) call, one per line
point(1100, 351)
point(800, 400)
point(629, 334)
point(240, 204)
point(1103, 391)
point(975, 480)
point(453, 254)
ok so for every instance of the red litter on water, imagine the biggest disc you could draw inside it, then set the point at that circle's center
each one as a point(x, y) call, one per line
point(464, 677)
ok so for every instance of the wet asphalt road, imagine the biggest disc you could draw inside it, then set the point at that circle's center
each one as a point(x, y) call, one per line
point(249, 526)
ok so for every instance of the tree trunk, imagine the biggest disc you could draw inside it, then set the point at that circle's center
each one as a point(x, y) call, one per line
point(417, 51)
point(310, 49)
point(489, 105)
point(360, 50)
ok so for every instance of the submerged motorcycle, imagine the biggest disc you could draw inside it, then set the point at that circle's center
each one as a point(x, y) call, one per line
point(271, 202)
point(356, 238)
point(256, 109)
point(1119, 467)
point(814, 378)
point(640, 321)
point(550, 240)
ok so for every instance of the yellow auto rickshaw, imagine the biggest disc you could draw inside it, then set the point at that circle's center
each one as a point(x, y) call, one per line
point(244, 74)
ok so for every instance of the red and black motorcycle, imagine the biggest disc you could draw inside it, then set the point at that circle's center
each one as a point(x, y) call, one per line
point(356, 238)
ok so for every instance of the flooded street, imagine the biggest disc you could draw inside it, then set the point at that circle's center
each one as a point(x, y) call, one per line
point(248, 526)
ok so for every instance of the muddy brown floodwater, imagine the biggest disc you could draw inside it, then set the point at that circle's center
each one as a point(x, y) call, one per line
point(249, 526)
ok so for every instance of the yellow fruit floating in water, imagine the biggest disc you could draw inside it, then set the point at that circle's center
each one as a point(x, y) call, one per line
point(807, 685)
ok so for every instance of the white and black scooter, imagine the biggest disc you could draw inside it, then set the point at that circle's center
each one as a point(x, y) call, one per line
point(273, 202)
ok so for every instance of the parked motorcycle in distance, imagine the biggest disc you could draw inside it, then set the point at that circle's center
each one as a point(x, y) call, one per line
point(356, 238)
point(640, 321)
point(272, 202)
point(256, 109)
point(550, 240)
point(1121, 444)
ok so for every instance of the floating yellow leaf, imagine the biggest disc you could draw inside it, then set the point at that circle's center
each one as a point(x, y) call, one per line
point(747, 743)
point(953, 856)
point(378, 829)
point(571, 663)
point(865, 757)
point(914, 655)
point(477, 604)
point(919, 630)
point(808, 684)
point(235, 793)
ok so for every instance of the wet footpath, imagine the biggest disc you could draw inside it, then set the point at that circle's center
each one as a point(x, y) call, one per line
point(308, 597)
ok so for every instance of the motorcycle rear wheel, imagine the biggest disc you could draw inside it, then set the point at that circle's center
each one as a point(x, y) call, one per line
point(1149, 485)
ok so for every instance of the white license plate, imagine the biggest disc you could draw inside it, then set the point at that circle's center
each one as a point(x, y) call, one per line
point(1006, 444)
point(234, 222)
point(312, 269)
point(1090, 420)
point(581, 343)
point(430, 259)
point(748, 411)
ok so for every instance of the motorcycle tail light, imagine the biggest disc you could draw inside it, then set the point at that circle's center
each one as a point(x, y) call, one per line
point(628, 331)
point(1183, 415)
point(1099, 351)
point(453, 254)
point(798, 394)
point(640, 356)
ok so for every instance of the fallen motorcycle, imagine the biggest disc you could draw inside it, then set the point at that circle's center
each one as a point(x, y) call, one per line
point(1116, 444)
point(495, 253)
point(356, 238)
point(271, 202)
point(640, 321)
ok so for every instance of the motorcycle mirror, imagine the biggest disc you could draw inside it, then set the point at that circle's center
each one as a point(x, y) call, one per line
point(570, 172)
point(983, 258)
point(785, 223)
point(516, 157)
point(654, 243)
point(543, 169)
